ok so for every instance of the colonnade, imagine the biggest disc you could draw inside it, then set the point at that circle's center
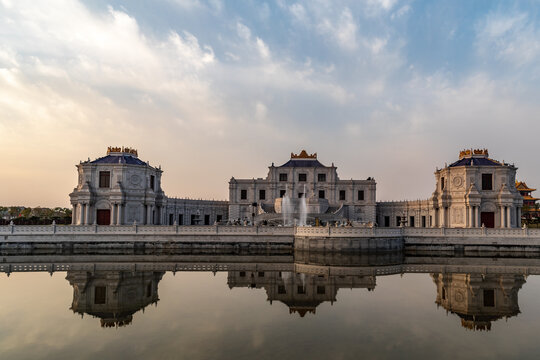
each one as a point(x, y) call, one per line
point(81, 214)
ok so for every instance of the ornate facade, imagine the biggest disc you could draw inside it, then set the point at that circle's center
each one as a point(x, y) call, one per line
point(119, 189)
point(327, 197)
point(474, 191)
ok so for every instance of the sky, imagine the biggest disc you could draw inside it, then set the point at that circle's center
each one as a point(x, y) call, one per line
point(209, 89)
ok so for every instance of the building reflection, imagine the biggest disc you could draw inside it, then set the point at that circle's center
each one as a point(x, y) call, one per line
point(301, 292)
point(479, 299)
point(113, 296)
point(478, 290)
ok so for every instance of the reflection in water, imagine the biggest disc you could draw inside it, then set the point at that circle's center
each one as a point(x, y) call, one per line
point(302, 293)
point(479, 299)
point(478, 290)
point(113, 296)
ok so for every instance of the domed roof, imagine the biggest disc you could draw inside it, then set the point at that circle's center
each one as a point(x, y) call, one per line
point(120, 158)
point(120, 155)
point(476, 157)
point(303, 160)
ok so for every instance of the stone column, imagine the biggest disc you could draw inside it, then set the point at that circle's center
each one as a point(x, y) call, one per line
point(148, 214)
point(445, 217)
point(120, 219)
point(78, 213)
point(518, 216)
point(478, 217)
point(508, 217)
point(113, 208)
point(502, 215)
point(74, 215)
point(86, 211)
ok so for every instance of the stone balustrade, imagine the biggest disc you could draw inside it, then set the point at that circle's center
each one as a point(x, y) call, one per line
point(144, 230)
point(415, 232)
point(268, 231)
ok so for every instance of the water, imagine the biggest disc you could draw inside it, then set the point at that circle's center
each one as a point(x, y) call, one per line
point(244, 313)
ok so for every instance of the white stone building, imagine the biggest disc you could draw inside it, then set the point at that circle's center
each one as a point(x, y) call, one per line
point(473, 191)
point(119, 188)
point(327, 196)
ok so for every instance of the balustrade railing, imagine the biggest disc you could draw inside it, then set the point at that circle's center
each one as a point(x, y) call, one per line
point(267, 230)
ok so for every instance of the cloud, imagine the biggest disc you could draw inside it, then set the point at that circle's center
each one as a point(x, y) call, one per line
point(299, 12)
point(513, 38)
point(342, 30)
point(263, 49)
point(243, 31)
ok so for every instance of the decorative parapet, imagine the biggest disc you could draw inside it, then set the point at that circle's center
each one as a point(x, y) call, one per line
point(303, 155)
point(118, 149)
point(471, 152)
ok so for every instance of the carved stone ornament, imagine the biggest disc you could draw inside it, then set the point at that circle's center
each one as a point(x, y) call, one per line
point(457, 181)
point(135, 179)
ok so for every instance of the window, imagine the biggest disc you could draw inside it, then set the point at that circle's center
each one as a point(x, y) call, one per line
point(148, 289)
point(398, 220)
point(281, 289)
point(152, 181)
point(260, 274)
point(302, 177)
point(487, 182)
point(411, 221)
point(171, 219)
point(321, 177)
point(423, 221)
point(300, 195)
point(321, 194)
point(262, 194)
point(442, 183)
point(300, 289)
point(282, 193)
point(321, 290)
point(243, 194)
point(180, 219)
point(100, 295)
point(242, 274)
point(387, 221)
point(219, 218)
point(341, 194)
point(282, 177)
point(361, 195)
point(206, 219)
point(194, 219)
point(104, 179)
point(489, 297)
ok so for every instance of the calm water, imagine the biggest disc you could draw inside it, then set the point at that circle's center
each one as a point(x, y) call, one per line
point(244, 313)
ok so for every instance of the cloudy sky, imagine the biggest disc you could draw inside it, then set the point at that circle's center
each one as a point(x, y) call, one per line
point(213, 89)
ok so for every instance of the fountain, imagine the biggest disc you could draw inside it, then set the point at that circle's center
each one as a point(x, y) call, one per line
point(302, 221)
point(294, 211)
point(287, 209)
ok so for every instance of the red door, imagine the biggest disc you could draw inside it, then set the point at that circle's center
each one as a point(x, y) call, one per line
point(488, 219)
point(104, 217)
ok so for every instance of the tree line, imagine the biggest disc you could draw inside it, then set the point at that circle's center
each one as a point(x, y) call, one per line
point(21, 215)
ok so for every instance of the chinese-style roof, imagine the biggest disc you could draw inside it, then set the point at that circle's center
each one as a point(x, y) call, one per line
point(476, 161)
point(119, 159)
point(521, 186)
point(302, 163)
point(303, 160)
point(528, 197)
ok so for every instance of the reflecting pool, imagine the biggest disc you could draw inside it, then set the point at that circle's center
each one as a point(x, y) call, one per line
point(261, 306)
